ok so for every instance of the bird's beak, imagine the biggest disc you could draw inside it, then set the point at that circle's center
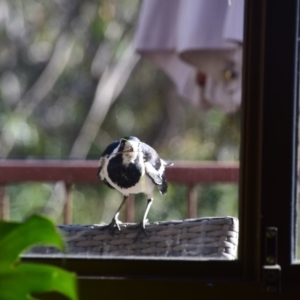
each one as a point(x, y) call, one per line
point(130, 149)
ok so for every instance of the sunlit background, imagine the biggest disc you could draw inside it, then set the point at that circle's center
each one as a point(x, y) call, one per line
point(71, 83)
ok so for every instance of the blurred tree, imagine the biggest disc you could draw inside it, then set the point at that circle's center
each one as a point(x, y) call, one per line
point(57, 58)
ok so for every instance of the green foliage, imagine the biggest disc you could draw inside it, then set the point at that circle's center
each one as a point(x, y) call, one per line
point(20, 280)
point(218, 200)
point(23, 203)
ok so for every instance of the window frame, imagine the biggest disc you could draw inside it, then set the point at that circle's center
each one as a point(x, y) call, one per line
point(280, 132)
point(266, 57)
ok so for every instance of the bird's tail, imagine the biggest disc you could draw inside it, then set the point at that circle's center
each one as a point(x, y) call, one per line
point(167, 163)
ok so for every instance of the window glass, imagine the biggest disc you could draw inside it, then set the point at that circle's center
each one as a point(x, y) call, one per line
point(297, 255)
point(296, 231)
point(76, 78)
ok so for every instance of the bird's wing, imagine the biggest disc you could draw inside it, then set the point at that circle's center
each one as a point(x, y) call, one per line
point(155, 167)
point(153, 174)
point(101, 162)
point(109, 149)
point(157, 176)
point(151, 156)
point(153, 164)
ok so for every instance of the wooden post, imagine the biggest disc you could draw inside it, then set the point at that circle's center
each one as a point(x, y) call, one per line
point(129, 212)
point(68, 204)
point(4, 204)
point(192, 201)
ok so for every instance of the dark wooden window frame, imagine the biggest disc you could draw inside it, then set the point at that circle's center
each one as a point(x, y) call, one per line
point(267, 182)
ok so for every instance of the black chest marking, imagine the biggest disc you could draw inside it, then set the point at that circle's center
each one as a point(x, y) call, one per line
point(123, 176)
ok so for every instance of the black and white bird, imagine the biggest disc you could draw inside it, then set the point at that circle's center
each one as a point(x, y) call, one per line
point(131, 167)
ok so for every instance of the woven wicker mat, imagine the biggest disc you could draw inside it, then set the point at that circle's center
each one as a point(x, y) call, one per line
point(215, 237)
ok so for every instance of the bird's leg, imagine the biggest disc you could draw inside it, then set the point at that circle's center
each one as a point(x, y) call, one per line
point(141, 226)
point(144, 221)
point(115, 222)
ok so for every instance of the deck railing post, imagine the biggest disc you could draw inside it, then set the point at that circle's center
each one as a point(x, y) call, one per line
point(129, 209)
point(192, 201)
point(68, 204)
point(4, 204)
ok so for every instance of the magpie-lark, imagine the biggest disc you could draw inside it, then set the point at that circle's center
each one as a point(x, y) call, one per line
point(131, 167)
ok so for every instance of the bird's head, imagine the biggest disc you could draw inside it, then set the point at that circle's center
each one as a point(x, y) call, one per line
point(130, 144)
point(130, 149)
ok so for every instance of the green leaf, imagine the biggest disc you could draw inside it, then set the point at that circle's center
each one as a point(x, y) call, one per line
point(18, 283)
point(6, 227)
point(18, 237)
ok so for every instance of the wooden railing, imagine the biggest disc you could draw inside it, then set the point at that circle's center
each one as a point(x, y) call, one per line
point(71, 172)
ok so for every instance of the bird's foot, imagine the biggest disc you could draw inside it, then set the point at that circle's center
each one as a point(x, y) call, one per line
point(113, 225)
point(141, 230)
